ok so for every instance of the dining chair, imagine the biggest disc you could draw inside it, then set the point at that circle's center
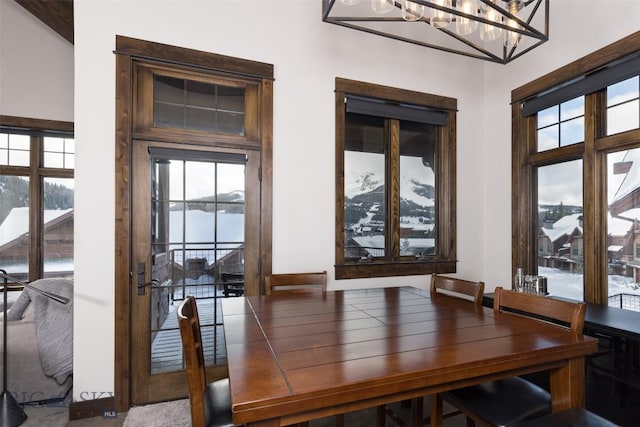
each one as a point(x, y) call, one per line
point(453, 287)
point(210, 402)
point(509, 401)
point(569, 418)
point(296, 283)
point(300, 283)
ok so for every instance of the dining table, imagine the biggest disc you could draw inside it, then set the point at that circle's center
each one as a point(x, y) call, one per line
point(298, 357)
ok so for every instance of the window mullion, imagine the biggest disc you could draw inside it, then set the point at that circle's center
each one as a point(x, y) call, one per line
point(393, 201)
point(595, 202)
point(36, 218)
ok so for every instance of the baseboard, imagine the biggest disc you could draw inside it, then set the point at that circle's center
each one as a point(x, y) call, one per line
point(105, 407)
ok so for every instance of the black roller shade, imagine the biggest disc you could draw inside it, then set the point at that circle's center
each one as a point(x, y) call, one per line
point(161, 153)
point(381, 108)
point(616, 72)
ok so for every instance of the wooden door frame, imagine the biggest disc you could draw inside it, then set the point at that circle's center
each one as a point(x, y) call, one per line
point(128, 50)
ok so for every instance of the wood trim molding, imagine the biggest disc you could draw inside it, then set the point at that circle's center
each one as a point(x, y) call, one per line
point(582, 66)
point(29, 123)
point(101, 407)
point(56, 14)
point(193, 58)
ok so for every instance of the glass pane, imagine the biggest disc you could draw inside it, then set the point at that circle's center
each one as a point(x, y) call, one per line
point(623, 239)
point(176, 178)
point(168, 90)
point(623, 106)
point(548, 138)
point(58, 152)
point(417, 189)
point(364, 187)
point(200, 180)
point(201, 119)
point(623, 117)
point(230, 182)
point(58, 226)
point(14, 226)
point(232, 123)
point(572, 131)
point(171, 116)
point(230, 222)
point(572, 108)
point(14, 149)
point(560, 239)
point(201, 94)
point(549, 116)
point(623, 91)
point(200, 222)
point(231, 99)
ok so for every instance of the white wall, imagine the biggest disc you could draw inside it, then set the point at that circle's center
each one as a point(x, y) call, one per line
point(308, 54)
point(36, 67)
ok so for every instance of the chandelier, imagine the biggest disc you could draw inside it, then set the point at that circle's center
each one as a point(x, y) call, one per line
point(493, 30)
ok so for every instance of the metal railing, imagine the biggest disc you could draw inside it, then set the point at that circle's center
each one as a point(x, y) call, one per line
point(625, 301)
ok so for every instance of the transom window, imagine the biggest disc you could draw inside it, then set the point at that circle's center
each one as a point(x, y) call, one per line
point(192, 104)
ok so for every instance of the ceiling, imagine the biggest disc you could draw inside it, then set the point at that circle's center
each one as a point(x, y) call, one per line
point(57, 14)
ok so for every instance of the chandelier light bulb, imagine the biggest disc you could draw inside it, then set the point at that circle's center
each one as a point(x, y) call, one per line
point(412, 11)
point(382, 6)
point(512, 38)
point(440, 18)
point(490, 32)
point(466, 25)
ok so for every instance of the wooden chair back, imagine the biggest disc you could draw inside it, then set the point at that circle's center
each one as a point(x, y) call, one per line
point(194, 358)
point(296, 283)
point(569, 313)
point(459, 286)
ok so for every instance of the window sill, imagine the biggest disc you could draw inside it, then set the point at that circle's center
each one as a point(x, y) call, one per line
point(388, 269)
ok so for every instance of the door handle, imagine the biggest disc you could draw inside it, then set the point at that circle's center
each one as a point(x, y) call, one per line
point(141, 282)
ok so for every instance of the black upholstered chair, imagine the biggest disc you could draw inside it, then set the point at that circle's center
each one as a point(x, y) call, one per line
point(569, 418)
point(509, 401)
point(210, 402)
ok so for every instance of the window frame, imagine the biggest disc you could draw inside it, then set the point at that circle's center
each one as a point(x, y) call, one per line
point(37, 129)
point(445, 259)
point(593, 152)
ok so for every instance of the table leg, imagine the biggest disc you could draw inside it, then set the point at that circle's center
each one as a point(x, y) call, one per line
point(567, 385)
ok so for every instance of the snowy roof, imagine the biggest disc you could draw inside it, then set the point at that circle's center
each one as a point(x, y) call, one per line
point(618, 226)
point(16, 223)
point(563, 227)
point(632, 177)
point(631, 214)
point(615, 248)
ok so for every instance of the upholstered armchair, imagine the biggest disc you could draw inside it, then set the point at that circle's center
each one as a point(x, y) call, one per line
point(40, 343)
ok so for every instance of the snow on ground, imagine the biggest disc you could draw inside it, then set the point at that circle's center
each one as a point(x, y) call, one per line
point(569, 285)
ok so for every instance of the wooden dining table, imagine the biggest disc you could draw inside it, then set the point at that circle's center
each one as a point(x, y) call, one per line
point(295, 358)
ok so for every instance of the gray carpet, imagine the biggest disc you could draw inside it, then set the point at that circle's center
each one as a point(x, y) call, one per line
point(165, 414)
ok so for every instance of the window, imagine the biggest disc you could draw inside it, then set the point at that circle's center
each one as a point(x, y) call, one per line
point(36, 213)
point(576, 157)
point(395, 181)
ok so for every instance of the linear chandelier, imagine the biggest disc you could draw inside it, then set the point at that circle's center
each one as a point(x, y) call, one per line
point(493, 30)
